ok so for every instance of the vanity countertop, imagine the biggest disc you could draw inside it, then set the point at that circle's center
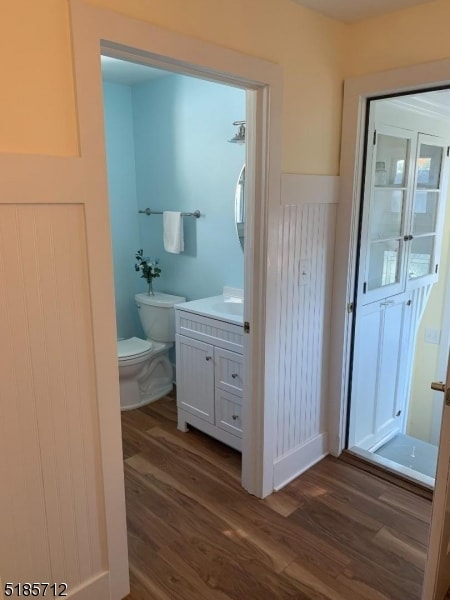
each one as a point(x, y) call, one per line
point(221, 307)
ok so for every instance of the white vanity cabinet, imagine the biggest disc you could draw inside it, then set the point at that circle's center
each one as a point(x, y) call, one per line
point(209, 376)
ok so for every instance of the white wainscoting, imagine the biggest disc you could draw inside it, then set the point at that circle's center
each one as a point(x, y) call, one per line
point(52, 518)
point(306, 253)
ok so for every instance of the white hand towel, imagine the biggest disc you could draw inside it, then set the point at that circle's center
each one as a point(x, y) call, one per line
point(173, 232)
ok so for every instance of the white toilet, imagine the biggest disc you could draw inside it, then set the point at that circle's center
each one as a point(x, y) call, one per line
point(145, 371)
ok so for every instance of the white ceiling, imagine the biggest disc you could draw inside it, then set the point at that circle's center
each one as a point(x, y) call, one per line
point(350, 11)
point(430, 104)
point(127, 73)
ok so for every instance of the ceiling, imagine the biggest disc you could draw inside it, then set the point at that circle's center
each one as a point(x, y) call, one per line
point(431, 104)
point(127, 73)
point(350, 11)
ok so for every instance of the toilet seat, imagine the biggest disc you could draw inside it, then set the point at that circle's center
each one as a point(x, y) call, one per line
point(132, 348)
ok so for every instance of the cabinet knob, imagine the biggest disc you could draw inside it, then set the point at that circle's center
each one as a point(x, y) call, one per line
point(234, 375)
point(208, 357)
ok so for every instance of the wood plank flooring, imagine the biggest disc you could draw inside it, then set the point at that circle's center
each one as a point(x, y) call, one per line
point(335, 533)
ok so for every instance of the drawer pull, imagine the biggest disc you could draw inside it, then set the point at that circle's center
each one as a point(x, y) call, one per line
point(234, 417)
point(208, 357)
point(234, 375)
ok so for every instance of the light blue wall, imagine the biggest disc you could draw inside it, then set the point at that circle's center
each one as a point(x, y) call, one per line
point(123, 204)
point(184, 162)
point(166, 146)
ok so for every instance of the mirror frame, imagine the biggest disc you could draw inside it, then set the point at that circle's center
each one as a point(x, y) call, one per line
point(239, 206)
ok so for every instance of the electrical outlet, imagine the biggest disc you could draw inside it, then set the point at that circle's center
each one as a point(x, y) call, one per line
point(432, 336)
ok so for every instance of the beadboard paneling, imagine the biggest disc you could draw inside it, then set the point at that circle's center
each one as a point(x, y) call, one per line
point(51, 503)
point(306, 258)
point(210, 331)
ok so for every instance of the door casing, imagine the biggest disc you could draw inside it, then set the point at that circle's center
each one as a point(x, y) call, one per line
point(357, 91)
point(94, 31)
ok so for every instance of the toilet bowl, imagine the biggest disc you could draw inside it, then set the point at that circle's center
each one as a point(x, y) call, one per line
point(145, 371)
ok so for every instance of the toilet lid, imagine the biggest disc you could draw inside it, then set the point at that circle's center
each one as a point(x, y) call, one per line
point(132, 347)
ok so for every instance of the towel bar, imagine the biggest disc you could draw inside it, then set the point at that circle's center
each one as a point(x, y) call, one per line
point(149, 212)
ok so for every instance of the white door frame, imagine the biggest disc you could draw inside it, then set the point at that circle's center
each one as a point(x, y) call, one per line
point(356, 93)
point(444, 346)
point(94, 29)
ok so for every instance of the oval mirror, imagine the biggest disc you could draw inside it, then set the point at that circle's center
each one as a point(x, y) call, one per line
point(239, 206)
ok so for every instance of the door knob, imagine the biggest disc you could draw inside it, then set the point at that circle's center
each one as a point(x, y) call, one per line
point(439, 386)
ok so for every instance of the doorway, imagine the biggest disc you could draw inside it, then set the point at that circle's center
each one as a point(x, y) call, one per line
point(168, 149)
point(399, 334)
point(93, 31)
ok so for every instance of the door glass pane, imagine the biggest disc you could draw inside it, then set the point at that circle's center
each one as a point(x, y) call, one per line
point(383, 264)
point(391, 161)
point(386, 211)
point(425, 211)
point(429, 166)
point(421, 257)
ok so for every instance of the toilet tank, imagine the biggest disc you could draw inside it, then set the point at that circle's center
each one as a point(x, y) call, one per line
point(157, 315)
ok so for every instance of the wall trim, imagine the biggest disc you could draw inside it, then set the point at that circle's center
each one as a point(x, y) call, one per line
point(97, 587)
point(309, 189)
point(356, 93)
point(299, 459)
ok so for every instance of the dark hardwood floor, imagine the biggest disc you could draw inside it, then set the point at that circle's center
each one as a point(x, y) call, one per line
point(335, 533)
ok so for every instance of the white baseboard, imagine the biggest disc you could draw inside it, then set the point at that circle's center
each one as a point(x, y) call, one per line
point(299, 459)
point(97, 587)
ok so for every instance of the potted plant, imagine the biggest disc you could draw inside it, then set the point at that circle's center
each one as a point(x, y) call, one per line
point(149, 269)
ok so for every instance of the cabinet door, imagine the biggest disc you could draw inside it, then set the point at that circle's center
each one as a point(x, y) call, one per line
point(195, 377)
point(427, 214)
point(378, 392)
point(387, 199)
point(228, 371)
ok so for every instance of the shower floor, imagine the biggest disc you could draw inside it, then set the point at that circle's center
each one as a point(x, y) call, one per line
point(412, 453)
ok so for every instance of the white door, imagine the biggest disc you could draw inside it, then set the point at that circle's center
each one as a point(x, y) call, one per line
point(429, 195)
point(402, 217)
point(378, 393)
point(404, 204)
point(387, 200)
point(437, 568)
point(382, 306)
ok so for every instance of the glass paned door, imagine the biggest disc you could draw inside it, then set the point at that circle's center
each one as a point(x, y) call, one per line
point(388, 175)
point(422, 240)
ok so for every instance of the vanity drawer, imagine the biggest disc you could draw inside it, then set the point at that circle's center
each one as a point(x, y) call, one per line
point(228, 408)
point(228, 371)
point(211, 331)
